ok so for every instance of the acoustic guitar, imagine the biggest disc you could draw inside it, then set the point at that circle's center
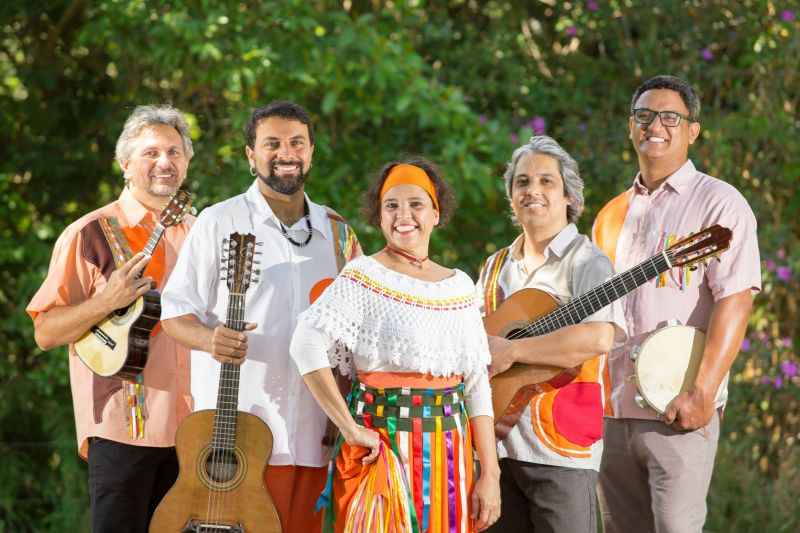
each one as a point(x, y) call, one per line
point(119, 344)
point(532, 312)
point(223, 452)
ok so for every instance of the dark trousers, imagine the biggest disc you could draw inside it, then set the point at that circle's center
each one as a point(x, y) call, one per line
point(126, 483)
point(546, 499)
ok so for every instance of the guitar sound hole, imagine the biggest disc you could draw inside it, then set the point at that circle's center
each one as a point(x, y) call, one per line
point(122, 310)
point(221, 465)
point(514, 334)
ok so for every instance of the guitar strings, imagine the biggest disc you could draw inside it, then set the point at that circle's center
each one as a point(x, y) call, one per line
point(223, 453)
point(563, 315)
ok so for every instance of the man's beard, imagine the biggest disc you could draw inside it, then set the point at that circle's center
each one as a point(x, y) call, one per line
point(285, 185)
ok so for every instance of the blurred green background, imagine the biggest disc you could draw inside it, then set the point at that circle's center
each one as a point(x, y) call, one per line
point(462, 82)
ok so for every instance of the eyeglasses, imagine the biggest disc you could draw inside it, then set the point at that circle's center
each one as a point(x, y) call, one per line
point(669, 119)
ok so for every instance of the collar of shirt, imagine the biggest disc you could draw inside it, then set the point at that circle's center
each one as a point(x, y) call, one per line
point(317, 214)
point(677, 182)
point(135, 212)
point(558, 246)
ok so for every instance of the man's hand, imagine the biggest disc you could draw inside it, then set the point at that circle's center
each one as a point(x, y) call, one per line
point(229, 345)
point(123, 286)
point(502, 355)
point(689, 410)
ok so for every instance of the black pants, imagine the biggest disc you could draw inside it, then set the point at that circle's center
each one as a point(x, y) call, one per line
point(546, 499)
point(126, 483)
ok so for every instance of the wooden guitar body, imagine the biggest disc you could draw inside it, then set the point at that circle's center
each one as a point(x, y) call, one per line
point(118, 346)
point(513, 389)
point(531, 312)
point(231, 497)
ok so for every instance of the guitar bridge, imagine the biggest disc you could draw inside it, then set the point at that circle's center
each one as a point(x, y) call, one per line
point(198, 526)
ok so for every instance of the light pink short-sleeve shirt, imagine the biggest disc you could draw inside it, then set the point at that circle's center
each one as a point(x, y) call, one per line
point(685, 203)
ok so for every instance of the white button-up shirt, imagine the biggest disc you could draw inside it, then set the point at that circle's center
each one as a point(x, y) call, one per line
point(270, 385)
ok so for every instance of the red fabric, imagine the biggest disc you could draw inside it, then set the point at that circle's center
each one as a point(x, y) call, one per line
point(578, 413)
point(294, 491)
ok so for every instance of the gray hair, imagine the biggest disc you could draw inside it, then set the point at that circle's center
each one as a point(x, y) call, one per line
point(688, 94)
point(573, 183)
point(149, 115)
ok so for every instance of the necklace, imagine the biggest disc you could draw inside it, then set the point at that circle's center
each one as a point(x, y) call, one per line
point(308, 228)
point(413, 259)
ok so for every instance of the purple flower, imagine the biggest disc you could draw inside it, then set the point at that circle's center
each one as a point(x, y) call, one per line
point(787, 15)
point(572, 31)
point(770, 264)
point(778, 383)
point(482, 119)
point(781, 254)
point(514, 138)
point(787, 342)
point(745, 345)
point(789, 369)
point(762, 336)
point(538, 125)
point(582, 126)
point(707, 54)
point(591, 5)
point(766, 380)
point(784, 273)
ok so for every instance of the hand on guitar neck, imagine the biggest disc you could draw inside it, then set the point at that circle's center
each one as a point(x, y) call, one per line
point(126, 284)
point(228, 345)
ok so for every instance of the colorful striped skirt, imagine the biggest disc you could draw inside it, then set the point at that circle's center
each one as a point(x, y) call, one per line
point(427, 432)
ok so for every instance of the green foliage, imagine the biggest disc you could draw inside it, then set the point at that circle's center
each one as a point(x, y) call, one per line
point(459, 81)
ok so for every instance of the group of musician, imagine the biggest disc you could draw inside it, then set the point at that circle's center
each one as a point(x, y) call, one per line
point(390, 349)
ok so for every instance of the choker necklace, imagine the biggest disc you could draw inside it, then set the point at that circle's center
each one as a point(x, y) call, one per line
point(413, 259)
point(308, 228)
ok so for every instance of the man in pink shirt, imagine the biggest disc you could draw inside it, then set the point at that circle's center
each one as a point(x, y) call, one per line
point(656, 470)
point(125, 430)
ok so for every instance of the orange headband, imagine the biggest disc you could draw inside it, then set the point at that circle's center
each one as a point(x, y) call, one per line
point(412, 175)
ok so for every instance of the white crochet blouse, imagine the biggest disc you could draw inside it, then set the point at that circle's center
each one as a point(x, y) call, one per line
point(375, 319)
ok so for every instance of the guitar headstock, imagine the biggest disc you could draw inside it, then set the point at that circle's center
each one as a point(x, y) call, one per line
point(178, 206)
point(700, 246)
point(238, 260)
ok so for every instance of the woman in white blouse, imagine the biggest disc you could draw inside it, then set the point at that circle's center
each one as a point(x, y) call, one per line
point(409, 333)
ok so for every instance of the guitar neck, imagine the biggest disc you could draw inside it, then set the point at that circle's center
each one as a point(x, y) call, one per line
point(152, 242)
point(224, 435)
point(597, 298)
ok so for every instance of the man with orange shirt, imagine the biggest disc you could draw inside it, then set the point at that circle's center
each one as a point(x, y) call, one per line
point(125, 430)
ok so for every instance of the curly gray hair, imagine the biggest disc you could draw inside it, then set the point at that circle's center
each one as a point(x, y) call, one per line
point(573, 183)
point(148, 115)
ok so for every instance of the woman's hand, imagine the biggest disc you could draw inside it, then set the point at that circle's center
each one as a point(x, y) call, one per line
point(486, 501)
point(356, 435)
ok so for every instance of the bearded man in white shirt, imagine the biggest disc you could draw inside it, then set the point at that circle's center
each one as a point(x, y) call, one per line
point(304, 246)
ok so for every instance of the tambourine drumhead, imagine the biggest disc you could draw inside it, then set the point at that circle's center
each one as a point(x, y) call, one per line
point(667, 364)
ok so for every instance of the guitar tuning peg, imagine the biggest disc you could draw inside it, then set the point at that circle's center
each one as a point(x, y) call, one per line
point(259, 243)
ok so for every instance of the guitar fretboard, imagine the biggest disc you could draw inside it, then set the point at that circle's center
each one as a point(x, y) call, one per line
point(152, 242)
point(597, 298)
point(224, 435)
